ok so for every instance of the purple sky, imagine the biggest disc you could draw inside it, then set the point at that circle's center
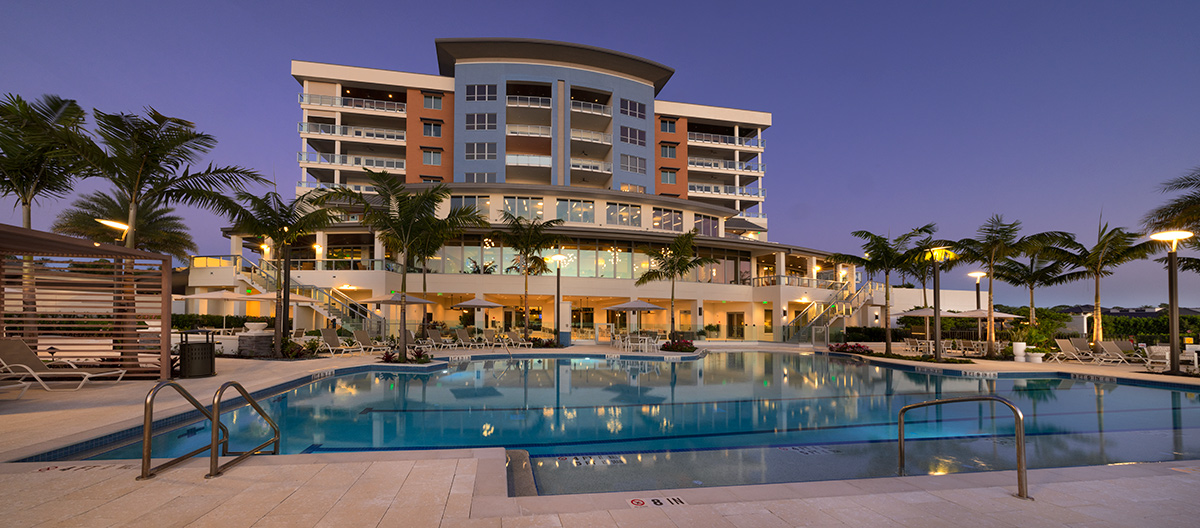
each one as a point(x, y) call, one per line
point(888, 115)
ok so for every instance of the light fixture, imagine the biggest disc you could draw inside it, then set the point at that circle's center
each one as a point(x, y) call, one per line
point(977, 275)
point(116, 225)
point(317, 248)
point(1172, 236)
point(1173, 289)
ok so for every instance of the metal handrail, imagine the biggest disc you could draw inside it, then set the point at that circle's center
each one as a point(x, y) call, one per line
point(214, 470)
point(147, 433)
point(1022, 481)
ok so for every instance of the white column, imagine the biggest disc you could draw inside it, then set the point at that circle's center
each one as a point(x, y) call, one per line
point(812, 267)
point(322, 241)
point(379, 250)
point(235, 245)
point(780, 264)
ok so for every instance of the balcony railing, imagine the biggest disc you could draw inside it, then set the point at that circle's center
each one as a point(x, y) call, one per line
point(313, 184)
point(527, 160)
point(528, 102)
point(728, 190)
point(591, 136)
point(528, 130)
point(795, 280)
point(591, 165)
point(591, 108)
point(351, 132)
point(720, 164)
point(345, 265)
point(751, 214)
point(698, 137)
point(354, 161)
point(352, 102)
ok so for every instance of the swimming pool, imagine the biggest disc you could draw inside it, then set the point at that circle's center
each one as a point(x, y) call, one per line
point(727, 418)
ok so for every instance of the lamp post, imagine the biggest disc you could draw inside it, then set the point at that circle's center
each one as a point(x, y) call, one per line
point(977, 275)
point(558, 259)
point(116, 225)
point(1173, 288)
point(938, 254)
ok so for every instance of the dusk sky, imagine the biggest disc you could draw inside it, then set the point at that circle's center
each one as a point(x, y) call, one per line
point(887, 115)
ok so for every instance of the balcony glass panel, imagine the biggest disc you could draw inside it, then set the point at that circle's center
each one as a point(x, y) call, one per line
point(591, 108)
point(353, 132)
point(352, 102)
point(528, 102)
point(591, 136)
point(699, 137)
point(527, 160)
point(528, 130)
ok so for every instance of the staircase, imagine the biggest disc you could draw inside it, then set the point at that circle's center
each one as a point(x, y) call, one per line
point(331, 303)
point(812, 325)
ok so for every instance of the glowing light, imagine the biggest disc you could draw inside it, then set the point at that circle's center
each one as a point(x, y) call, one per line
point(114, 224)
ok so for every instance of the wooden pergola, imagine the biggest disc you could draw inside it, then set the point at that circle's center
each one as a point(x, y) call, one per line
point(94, 304)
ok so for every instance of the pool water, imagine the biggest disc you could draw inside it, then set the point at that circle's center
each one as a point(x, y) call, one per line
point(727, 418)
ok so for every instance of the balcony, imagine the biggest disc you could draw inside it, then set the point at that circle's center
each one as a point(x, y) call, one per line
point(313, 184)
point(731, 141)
point(591, 136)
point(528, 130)
point(591, 165)
point(728, 165)
point(352, 102)
point(351, 132)
point(521, 101)
point(751, 214)
point(591, 108)
point(796, 280)
point(527, 160)
point(351, 161)
point(726, 190)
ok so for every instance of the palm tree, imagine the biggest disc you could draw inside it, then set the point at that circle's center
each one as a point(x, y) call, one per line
point(148, 161)
point(1181, 212)
point(162, 231)
point(1039, 268)
point(528, 238)
point(1113, 247)
point(401, 218)
point(997, 241)
point(886, 255)
point(282, 223)
point(671, 263)
point(29, 168)
point(921, 268)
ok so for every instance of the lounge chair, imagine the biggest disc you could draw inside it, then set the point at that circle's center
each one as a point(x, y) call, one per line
point(489, 338)
point(368, 345)
point(464, 340)
point(1131, 351)
point(298, 333)
point(1158, 356)
point(1082, 346)
point(516, 340)
point(18, 361)
point(439, 341)
point(332, 343)
point(1068, 351)
point(1110, 353)
point(23, 385)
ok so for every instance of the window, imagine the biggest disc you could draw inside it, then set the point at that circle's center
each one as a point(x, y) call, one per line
point(577, 211)
point(629, 187)
point(480, 177)
point(481, 121)
point(632, 164)
point(433, 102)
point(481, 92)
point(431, 157)
point(707, 225)
point(668, 219)
point(433, 130)
point(481, 151)
point(633, 109)
point(667, 126)
point(624, 214)
point(524, 207)
point(431, 179)
point(668, 177)
point(482, 204)
point(633, 136)
point(667, 151)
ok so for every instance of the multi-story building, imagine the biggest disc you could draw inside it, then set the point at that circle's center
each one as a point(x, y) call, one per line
point(547, 130)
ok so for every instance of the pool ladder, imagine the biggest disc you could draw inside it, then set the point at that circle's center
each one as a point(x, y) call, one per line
point(1022, 481)
point(220, 434)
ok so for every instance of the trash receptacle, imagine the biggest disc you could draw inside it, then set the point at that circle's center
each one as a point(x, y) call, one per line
point(197, 359)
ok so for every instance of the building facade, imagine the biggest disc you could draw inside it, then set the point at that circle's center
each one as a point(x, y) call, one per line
point(545, 130)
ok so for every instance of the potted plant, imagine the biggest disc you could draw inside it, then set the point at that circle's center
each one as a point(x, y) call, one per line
point(1018, 337)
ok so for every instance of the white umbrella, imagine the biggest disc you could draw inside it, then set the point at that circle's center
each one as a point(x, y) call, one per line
point(477, 303)
point(924, 312)
point(982, 314)
point(636, 305)
point(394, 298)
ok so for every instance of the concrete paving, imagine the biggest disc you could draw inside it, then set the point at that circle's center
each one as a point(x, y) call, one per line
point(468, 487)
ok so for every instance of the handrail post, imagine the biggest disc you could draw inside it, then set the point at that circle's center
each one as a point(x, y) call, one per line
point(1022, 480)
point(148, 423)
point(215, 468)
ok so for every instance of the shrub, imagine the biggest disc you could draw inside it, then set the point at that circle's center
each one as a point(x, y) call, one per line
point(391, 356)
point(420, 356)
point(853, 348)
point(544, 343)
point(679, 345)
point(871, 334)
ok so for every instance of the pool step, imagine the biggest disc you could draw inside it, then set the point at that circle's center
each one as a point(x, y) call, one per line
point(520, 474)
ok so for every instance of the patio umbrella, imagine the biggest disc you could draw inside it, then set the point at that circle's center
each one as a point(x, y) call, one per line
point(395, 298)
point(926, 313)
point(982, 314)
point(220, 295)
point(636, 305)
point(478, 303)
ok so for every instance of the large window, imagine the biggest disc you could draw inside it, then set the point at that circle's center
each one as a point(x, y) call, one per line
point(431, 157)
point(631, 188)
point(433, 130)
point(483, 204)
point(668, 219)
point(707, 225)
point(433, 102)
point(668, 177)
point(667, 126)
point(624, 214)
point(577, 211)
point(479, 177)
point(633, 164)
point(481, 121)
point(481, 92)
point(480, 151)
point(667, 151)
point(524, 207)
point(633, 109)
point(633, 136)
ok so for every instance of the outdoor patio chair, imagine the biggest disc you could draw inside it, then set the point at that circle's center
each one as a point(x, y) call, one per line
point(1131, 351)
point(1158, 356)
point(516, 340)
point(439, 341)
point(367, 344)
point(23, 385)
point(1072, 352)
point(1109, 353)
point(1082, 346)
point(464, 339)
point(20, 362)
point(298, 333)
point(332, 343)
point(490, 338)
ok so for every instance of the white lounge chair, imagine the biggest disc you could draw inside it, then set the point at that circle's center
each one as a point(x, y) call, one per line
point(367, 344)
point(1110, 353)
point(18, 361)
point(464, 340)
point(333, 344)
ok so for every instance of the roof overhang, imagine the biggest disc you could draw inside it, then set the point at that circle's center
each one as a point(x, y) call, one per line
point(20, 241)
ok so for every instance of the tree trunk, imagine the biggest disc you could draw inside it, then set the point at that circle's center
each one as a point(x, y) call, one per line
point(887, 312)
point(525, 271)
point(1032, 310)
point(1097, 328)
point(131, 221)
point(672, 334)
point(991, 321)
point(403, 307)
point(281, 313)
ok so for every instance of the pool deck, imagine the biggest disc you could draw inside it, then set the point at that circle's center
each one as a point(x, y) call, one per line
point(468, 487)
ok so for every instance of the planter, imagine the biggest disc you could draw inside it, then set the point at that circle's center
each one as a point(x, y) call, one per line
point(1035, 358)
point(256, 327)
point(1019, 348)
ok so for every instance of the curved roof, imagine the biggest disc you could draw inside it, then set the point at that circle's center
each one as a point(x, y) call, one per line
point(449, 51)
